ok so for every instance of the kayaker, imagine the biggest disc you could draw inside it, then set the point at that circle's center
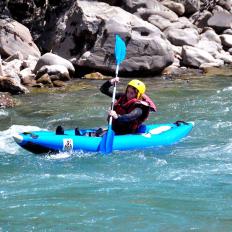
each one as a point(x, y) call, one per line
point(131, 108)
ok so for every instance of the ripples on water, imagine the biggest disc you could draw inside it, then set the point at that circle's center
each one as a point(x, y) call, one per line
point(186, 187)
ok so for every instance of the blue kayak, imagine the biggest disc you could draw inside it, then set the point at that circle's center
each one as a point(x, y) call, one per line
point(155, 135)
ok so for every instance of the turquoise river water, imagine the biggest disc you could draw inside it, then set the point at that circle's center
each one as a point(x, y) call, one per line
point(185, 187)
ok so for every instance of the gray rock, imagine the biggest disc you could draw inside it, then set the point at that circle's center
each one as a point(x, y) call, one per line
point(206, 66)
point(165, 13)
point(53, 59)
point(12, 69)
point(16, 38)
point(220, 21)
point(228, 31)
point(177, 50)
point(145, 9)
point(30, 62)
point(180, 37)
point(226, 40)
point(225, 4)
point(218, 9)
point(147, 48)
point(225, 56)
point(182, 23)
point(178, 8)
point(211, 35)
point(209, 46)
point(200, 19)
point(11, 85)
point(230, 51)
point(58, 70)
point(159, 21)
point(195, 57)
point(27, 77)
point(26, 72)
point(191, 6)
point(17, 56)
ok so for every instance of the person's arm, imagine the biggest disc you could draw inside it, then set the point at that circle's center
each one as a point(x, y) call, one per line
point(106, 88)
point(134, 114)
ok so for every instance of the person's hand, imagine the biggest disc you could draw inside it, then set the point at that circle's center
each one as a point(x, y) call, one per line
point(114, 80)
point(113, 114)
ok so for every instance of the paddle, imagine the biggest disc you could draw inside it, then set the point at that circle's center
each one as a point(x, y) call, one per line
point(106, 144)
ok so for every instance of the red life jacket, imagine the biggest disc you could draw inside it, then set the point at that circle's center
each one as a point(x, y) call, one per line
point(122, 106)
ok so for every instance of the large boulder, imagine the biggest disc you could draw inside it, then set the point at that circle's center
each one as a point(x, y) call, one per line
point(11, 85)
point(16, 38)
point(210, 34)
point(209, 46)
point(92, 42)
point(53, 59)
point(195, 57)
point(58, 70)
point(210, 42)
point(220, 21)
point(180, 37)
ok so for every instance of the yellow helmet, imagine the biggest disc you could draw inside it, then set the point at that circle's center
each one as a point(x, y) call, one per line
point(139, 85)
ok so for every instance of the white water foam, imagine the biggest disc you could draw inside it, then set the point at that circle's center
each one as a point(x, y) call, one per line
point(3, 113)
point(58, 156)
point(60, 120)
point(222, 125)
point(227, 89)
point(228, 147)
point(7, 144)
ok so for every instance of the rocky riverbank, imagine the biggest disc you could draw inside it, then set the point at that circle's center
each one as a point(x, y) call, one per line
point(45, 42)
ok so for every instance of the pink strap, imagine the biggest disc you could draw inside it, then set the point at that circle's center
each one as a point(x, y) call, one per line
point(151, 103)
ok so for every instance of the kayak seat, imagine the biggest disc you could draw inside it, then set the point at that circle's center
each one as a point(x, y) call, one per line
point(100, 132)
point(90, 133)
point(59, 130)
point(142, 129)
point(77, 131)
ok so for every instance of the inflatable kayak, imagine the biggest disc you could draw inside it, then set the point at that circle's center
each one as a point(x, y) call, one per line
point(155, 135)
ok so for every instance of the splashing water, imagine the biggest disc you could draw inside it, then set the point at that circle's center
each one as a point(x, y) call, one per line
point(180, 188)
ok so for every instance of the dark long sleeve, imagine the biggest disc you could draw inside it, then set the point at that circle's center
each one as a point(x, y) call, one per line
point(106, 89)
point(134, 114)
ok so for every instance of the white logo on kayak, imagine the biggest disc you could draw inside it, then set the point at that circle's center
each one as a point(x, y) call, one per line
point(157, 131)
point(67, 144)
